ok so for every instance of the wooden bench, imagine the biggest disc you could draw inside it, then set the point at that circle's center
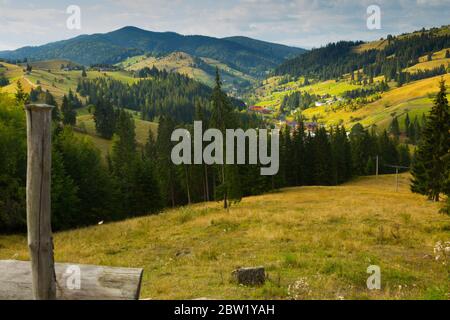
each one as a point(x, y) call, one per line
point(95, 282)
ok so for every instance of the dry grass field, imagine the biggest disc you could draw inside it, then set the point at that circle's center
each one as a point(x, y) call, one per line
point(322, 238)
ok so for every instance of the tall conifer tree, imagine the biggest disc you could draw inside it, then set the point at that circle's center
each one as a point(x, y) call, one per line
point(430, 171)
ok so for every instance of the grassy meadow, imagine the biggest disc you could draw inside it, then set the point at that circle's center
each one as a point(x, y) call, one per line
point(320, 238)
point(414, 98)
point(49, 76)
point(86, 127)
point(187, 65)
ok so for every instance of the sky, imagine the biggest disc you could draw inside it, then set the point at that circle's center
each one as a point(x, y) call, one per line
point(301, 23)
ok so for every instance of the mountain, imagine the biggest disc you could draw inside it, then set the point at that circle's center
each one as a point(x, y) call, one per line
point(370, 83)
point(385, 57)
point(251, 56)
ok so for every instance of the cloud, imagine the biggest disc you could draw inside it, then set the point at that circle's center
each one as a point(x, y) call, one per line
point(305, 23)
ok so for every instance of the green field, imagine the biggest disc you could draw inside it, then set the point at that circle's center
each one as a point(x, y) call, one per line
point(325, 237)
point(413, 97)
point(49, 76)
point(175, 62)
point(271, 94)
point(437, 59)
point(86, 127)
point(186, 64)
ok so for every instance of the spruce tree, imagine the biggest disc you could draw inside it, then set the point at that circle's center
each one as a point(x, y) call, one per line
point(166, 170)
point(323, 164)
point(104, 118)
point(124, 160)
point(222, 118)
point(394, 128)
point(430, 171)
point(69, 114)
point(21, 96)
point(407, 124)
point(50, 100)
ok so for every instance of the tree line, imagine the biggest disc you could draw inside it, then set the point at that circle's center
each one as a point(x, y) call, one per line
point(338, 59)
point(88, 188)
point(298, 99)
point(164, 94)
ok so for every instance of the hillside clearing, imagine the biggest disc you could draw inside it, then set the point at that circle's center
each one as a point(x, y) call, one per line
point(415, 97)
point(327, 236)
point(86, 126)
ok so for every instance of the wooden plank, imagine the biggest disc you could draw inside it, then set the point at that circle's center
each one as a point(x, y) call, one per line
point(95, 282)
point(39, 164)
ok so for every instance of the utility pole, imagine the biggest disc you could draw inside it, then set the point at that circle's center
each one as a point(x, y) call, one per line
point(396, 174)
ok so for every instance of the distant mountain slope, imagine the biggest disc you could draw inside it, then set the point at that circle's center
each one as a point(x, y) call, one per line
point(278, 51)
point(383, 57)
point(82, 49)
point(201, 69)
point(244, 54)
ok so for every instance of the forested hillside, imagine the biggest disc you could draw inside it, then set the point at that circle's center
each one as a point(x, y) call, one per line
point(162, 94)
point(337, 59)
point(241, 54)
point(137, 180)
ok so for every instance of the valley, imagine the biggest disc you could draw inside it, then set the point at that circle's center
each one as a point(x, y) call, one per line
point(347, 190)
point(330, 107)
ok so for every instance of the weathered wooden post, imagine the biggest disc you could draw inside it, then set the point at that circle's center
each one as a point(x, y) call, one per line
point(396, 179)
point(40, 243)
point(21, 280)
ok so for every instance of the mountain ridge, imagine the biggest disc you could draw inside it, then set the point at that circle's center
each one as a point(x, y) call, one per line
point(249, 55)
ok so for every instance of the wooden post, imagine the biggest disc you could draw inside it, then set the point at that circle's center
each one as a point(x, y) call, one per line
point(39, 122)
point(377, 168)
point(396, 179)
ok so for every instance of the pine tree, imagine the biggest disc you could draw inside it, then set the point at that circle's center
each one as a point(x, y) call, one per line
point(200, 115)
point(429, 169)
point(65, 201)
point(146, 194)
point(166, 170)
point(394, 128)
point(388, 153)
point(341, 154)
point(50, 100)
point(222, 118)
point(407, 124)
point(323, 164)
point(124, 159)
point(105, 119)
point(21, 96)
point(298, 154)
point(96, 190)
point(417, 130)
point(69, 114)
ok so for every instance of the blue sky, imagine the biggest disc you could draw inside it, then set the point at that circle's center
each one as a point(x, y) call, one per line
point(302, 23)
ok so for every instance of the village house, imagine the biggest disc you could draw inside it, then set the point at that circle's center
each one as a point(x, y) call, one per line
point(260, 110)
